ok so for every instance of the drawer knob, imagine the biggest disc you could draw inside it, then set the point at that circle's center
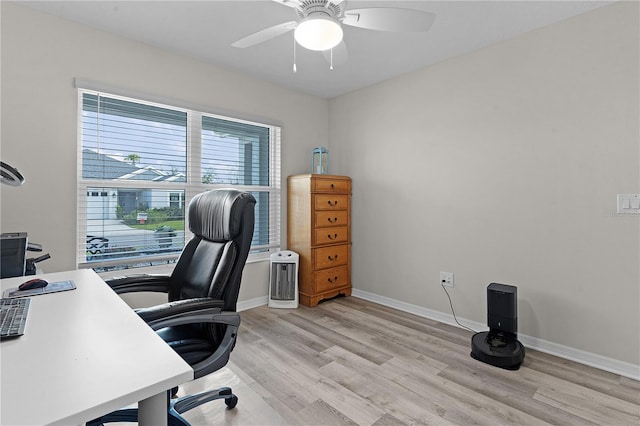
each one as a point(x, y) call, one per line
point(332, 258)
point(333, 203)
point(332, 220)
point(335, 279)
point(333, 186)
point(332, 237)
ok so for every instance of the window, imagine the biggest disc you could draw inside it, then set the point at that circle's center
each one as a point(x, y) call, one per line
point(140, 163)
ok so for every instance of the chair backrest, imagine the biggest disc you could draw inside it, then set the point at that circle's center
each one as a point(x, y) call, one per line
point(211, 263)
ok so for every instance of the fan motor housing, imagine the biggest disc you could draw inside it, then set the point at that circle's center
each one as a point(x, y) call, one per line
point(310, 7)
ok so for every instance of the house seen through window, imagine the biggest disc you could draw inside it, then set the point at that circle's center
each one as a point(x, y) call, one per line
point(141, 163)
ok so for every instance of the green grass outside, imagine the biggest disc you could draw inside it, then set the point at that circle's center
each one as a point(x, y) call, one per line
point(177, 225)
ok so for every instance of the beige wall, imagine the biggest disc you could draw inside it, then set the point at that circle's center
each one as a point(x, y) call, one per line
point(503, 166)
point(41, 56)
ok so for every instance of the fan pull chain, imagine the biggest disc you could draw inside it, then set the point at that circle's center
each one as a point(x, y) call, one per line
point(295, 69)
point(331, 65)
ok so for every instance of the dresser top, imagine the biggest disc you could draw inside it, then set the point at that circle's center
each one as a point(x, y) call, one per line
point(318, 176)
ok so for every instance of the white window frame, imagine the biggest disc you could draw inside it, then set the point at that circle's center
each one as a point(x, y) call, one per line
point(191, 187)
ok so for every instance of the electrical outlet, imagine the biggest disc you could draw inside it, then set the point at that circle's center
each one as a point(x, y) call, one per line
point(446, 279)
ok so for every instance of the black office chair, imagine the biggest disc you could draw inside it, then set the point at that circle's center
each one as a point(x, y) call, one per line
point(199, 322)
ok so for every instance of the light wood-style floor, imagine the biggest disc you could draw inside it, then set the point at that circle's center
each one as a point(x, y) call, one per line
point(352, 362)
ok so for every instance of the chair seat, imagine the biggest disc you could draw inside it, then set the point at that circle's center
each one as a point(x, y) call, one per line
point(191, 342)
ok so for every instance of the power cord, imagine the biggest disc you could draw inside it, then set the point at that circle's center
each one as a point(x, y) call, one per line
point(454, 312)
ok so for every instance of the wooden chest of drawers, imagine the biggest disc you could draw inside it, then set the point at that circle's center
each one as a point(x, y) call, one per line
point(319, 230)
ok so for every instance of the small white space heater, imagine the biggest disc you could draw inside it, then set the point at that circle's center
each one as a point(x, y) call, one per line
point(283, 280)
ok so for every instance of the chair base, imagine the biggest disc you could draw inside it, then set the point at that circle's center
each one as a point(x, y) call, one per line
point(175, 408)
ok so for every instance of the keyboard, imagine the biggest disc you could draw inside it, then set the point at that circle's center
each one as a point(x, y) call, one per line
point(13, 317)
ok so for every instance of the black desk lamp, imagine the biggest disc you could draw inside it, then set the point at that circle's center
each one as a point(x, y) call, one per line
point(13, 253)
point(10, 175)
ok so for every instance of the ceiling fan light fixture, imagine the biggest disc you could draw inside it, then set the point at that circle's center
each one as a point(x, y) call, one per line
point(318, 33)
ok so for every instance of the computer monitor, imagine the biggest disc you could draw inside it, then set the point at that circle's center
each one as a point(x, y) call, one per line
point(13, 252)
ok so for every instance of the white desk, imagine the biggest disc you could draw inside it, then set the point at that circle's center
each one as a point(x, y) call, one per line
point(84, 353)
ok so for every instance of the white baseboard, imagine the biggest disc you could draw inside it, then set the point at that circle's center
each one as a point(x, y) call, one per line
point(252, 303)
point(611, 365)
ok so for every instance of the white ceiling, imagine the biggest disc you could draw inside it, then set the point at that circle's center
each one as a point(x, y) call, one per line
point(205, 30)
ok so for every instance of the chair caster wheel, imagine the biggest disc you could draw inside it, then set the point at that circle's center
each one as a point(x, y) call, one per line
point(231, 402)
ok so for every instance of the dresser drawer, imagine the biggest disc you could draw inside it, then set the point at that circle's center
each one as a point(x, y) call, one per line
point(329, 279)
point(338, 234)
point(329, 257)
point(331, 218)
point(330, 202)
point(333, 185)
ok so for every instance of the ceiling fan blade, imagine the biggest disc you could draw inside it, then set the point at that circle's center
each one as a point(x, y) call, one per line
point(340, 54)
point(290, 3)
point(390, 19)
point(266, 34)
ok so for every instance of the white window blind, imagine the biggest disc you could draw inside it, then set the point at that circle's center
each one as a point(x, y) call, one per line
point(139, 165)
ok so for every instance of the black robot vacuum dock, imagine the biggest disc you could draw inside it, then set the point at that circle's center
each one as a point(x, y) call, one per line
point(500, 346)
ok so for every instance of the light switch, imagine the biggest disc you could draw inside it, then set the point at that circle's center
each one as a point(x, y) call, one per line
point(629, 203)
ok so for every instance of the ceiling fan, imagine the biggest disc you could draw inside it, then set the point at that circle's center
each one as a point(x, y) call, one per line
point(320, 24)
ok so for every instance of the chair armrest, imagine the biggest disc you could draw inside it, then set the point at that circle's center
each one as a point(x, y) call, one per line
point(180, 312)
point(143, 282)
